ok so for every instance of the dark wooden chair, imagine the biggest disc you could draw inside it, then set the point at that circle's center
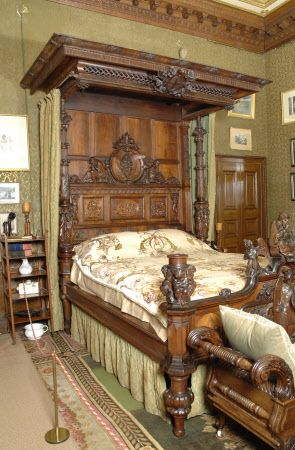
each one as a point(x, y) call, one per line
point(259, 394)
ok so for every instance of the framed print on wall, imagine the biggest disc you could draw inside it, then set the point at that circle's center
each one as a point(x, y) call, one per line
point(9, 193)
point(14, 146)
point(288, 106)
point(244, 108)
point(292, 179)
point(240, 138)
point(292, 152)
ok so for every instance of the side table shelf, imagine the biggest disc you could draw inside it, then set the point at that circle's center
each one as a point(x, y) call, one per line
point(17, 287)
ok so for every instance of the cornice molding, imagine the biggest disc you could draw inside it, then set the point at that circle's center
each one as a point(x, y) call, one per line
point(75, 65)
point(205, 18)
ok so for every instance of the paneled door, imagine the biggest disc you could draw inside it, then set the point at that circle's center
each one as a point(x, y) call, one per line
point(240, 200)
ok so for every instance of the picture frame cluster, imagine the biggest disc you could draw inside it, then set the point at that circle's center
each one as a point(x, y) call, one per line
point(241, 138)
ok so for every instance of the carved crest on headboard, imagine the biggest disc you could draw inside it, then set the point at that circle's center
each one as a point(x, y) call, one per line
point(174, 81)
point(125, 165)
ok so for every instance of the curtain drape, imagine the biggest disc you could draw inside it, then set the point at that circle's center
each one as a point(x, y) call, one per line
point(50, 147)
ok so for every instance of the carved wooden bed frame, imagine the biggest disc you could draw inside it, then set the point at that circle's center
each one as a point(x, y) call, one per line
point(125, 166)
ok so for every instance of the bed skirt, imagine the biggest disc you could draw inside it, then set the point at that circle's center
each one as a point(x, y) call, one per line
point(133, 369)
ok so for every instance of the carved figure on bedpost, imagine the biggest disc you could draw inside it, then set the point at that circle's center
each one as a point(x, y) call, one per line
point(201, 206)
point(178, 286)
point(67, 218)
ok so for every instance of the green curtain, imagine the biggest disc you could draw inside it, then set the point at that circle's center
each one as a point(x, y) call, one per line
point(50, 147)
point(208, 123)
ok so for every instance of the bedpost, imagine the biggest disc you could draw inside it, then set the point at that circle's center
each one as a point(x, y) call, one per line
point(178, 286)
point(201, 207)
point(67, 217)
point(186, 179)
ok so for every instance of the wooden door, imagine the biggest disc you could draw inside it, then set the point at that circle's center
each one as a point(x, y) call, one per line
point(240, 200)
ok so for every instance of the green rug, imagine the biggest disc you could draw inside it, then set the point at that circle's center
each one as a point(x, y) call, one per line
point(101, 414)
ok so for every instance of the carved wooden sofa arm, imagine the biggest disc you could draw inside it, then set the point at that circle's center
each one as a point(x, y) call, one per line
point(259, 395)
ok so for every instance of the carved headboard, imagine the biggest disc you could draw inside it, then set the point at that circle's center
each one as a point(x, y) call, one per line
point(123, 191)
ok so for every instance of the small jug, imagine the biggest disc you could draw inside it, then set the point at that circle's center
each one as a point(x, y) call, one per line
point(25, 268)
point(39, 330)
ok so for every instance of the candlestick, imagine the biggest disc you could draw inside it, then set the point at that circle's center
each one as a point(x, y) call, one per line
point(26, 208)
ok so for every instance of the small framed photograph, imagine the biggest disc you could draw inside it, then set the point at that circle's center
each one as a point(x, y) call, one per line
point(292, 179)
point(9, 193)
point(14, 146)
point(292, 152)
point(244, 108)
point(288, 106)
point(240, 138)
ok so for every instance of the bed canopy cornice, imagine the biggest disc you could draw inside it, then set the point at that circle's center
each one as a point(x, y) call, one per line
point(73, 64)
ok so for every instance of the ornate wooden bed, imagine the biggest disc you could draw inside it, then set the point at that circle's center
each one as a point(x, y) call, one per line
point(125, 166)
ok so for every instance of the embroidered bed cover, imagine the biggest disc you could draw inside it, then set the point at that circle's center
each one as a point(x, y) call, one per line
point(124, 269)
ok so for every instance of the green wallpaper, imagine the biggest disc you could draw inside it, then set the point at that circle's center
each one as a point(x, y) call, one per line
point(280, 68)
point(21, 41)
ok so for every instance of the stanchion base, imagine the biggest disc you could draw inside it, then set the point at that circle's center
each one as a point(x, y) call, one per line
point(57, 435)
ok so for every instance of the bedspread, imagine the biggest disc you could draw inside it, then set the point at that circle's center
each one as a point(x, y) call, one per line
point(130, 263)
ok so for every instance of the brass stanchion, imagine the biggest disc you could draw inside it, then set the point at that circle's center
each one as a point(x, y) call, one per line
point(57, 434)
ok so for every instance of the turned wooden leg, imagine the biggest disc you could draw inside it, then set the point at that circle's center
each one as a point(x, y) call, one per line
point(67, 315)
point(220, 422)
point(178, 400)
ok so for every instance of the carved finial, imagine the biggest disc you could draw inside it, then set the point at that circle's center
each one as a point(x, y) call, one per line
point(179, 283)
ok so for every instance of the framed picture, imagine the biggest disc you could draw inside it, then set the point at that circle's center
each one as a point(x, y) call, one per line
point(292, 150)
point(244, 108)
point(9, 193)
point(288, 106)
point(292, 179)
point(240, 139)
point(14, 146)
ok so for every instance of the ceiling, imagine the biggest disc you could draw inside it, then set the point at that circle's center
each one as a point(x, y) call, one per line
point(261, 7)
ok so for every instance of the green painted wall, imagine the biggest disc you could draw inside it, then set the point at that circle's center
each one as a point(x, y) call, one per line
point(22, 39)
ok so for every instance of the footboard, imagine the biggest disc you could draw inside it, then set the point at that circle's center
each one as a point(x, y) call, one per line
point(184, 315)
point(259, 395)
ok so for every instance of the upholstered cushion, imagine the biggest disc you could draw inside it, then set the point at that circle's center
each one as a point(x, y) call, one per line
point(255, 336)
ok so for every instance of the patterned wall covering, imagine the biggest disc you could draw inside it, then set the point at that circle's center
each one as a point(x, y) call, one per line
point(280, 68)
point(20, 45)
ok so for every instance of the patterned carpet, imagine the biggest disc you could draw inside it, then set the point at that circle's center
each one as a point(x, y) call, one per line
point(98, 419)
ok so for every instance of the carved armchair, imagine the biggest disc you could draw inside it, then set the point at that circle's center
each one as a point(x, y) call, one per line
point(252, 379)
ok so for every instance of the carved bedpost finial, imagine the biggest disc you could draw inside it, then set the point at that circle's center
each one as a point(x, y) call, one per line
point(179, 283)
point(201, 206)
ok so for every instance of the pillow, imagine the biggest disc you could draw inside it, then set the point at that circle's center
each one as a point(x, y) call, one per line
point(132, 244)
point(255, 335)
point(108, 247)
point(169, 240)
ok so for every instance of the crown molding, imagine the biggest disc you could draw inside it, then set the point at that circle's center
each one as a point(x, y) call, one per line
point(205, 18)
point(280, 26)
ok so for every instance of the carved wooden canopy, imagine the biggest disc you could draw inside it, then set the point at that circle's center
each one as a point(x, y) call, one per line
point(78, 65)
